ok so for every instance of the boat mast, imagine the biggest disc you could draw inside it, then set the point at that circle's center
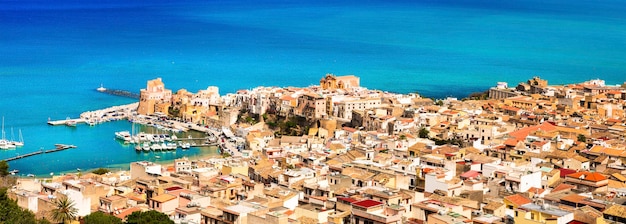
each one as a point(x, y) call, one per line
point(3, 135)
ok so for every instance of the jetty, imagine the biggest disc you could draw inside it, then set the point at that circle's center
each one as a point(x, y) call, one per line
point(58, 147)
point(118, 92)
point(65, 121)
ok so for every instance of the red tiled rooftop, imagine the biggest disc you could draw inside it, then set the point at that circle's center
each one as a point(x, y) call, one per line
point(367, 203)
point(470, 174)
point(562, 187)
point(521, 134)
point(127, 212)
point(518, 199)
point(511, 142)
point(588, 176)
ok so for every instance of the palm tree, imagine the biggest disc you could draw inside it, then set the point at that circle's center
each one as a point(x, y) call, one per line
point(64, 210)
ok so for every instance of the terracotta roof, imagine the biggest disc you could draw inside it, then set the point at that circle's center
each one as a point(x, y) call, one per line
point(470, 174)
point(521, 134)
point(562, 187)
point(511, 142)
point(574, 198)
point(535, 190)
point(518, 199)
point(588, 176)
point(367, 203)
point(127, 212)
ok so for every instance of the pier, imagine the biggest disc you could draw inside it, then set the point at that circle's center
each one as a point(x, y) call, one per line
point(59, 147)
point(118, 92)
point(65, 121)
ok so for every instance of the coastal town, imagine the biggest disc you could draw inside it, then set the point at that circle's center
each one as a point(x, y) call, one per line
point(340, 153)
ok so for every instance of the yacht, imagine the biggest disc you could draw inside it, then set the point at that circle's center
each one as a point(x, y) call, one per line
point(146, 146)
point(20, 141)
point(123, 135)
point(5, 144)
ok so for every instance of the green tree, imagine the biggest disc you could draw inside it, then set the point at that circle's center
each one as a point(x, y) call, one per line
point(149, 217)
point(12, 213)
point(581, 138)
point(64, 210)
point(101, 171)
point(4, 168)
point(101, 218)
point(439, 103)
point(403, 137)
point(423, 133)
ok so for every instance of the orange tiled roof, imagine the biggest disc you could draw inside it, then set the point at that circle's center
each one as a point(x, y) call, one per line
point(521, 134)
point(518, 199)
point(511, 142)
point(588, 176)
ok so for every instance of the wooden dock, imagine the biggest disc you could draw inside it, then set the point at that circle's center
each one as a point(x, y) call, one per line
point(59, 147)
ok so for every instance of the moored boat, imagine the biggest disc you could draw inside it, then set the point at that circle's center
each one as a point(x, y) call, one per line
point(123, 135)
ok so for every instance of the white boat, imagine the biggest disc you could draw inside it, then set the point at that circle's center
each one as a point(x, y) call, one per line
point(146, 146)
point(123, 135)
point(156, 147)
point(4, 143)
point(20, 141)
point(185, 145)
point(171, 145)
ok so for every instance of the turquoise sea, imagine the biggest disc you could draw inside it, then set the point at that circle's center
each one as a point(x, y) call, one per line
point(53, 54)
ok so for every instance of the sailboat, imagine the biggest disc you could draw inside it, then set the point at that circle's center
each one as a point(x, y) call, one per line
point(4, 143)
point(20, 141)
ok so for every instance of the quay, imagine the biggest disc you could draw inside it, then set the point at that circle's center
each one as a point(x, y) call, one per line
point(118, 92)
point(65, 121)
point(59, 147)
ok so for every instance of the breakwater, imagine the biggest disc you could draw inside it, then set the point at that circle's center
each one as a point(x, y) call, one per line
point(118, 92)
point(59, 147)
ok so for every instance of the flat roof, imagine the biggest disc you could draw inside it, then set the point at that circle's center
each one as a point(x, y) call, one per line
point(367, 203)
point(550, 210)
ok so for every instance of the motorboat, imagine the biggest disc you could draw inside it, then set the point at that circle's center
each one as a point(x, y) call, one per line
point(123, 135)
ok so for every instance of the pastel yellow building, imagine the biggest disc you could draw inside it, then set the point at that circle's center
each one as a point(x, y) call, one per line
point(154, 98)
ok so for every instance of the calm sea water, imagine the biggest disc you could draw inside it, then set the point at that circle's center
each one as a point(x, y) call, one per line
point(53, 54)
